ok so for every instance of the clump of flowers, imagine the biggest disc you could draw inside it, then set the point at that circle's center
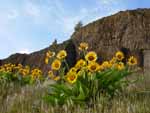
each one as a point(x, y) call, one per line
point(56, 71)
point(88, 78)
point(19, 73)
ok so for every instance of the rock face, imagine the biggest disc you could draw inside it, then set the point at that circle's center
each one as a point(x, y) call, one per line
point(147, 60)
point(36, 59)
point(128, 31)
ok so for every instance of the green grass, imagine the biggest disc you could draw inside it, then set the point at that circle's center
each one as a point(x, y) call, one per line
point(28, 99)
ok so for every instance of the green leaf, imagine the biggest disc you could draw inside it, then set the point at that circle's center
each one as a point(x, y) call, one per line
point(83, 92)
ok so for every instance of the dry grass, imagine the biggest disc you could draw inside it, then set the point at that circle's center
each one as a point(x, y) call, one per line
point(28, 99)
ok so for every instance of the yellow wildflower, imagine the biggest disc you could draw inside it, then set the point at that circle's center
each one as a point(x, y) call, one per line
point(71, 77)
point(50, 54)
point(73, 69)
point(62, 54)
point(132, 61)
point(120, 66)
point(56, 64)
point(81, 63)
point(101, 68)
point(119, 56)
point(106, 64)
point(83, 46)
point(113, 60)
point(91, 56)
point(36, 73)
point(24, 72)
point(93, 66)
point(20, 65)
point(2, 69)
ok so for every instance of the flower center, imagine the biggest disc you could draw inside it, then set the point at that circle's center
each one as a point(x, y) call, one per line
point(91, 58)
point(132, 61)
point(119, 56)
point(56, 65)
point(93, 67)
point(62, 55)
point(72, 77)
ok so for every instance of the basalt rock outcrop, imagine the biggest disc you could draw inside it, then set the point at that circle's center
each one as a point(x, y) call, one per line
point(128, 31)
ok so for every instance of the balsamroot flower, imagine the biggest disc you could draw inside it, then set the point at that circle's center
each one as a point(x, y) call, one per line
point(81, 63)
point(83, 46)
point(50, 54)
point(71, 77)
point(120, 66)
point(93, 66)
point(119, 56)
point(56, 64)
point(132, 61)
point(106, 65)
point(62, 54)
point(91, 56)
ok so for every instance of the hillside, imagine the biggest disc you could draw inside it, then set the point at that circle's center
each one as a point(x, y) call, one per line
point(128, 31)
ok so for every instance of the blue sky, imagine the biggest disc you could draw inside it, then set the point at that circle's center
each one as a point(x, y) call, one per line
point(31, 25)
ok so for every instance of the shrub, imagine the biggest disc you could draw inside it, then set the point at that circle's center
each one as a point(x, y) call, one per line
point(78, 26)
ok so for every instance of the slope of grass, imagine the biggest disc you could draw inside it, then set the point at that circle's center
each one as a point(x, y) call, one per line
point(28, 99)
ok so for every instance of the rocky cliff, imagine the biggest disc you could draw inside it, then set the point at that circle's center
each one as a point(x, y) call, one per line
point(128, 31)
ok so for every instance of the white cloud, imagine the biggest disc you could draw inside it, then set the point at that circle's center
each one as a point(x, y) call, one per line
point(27, 51)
